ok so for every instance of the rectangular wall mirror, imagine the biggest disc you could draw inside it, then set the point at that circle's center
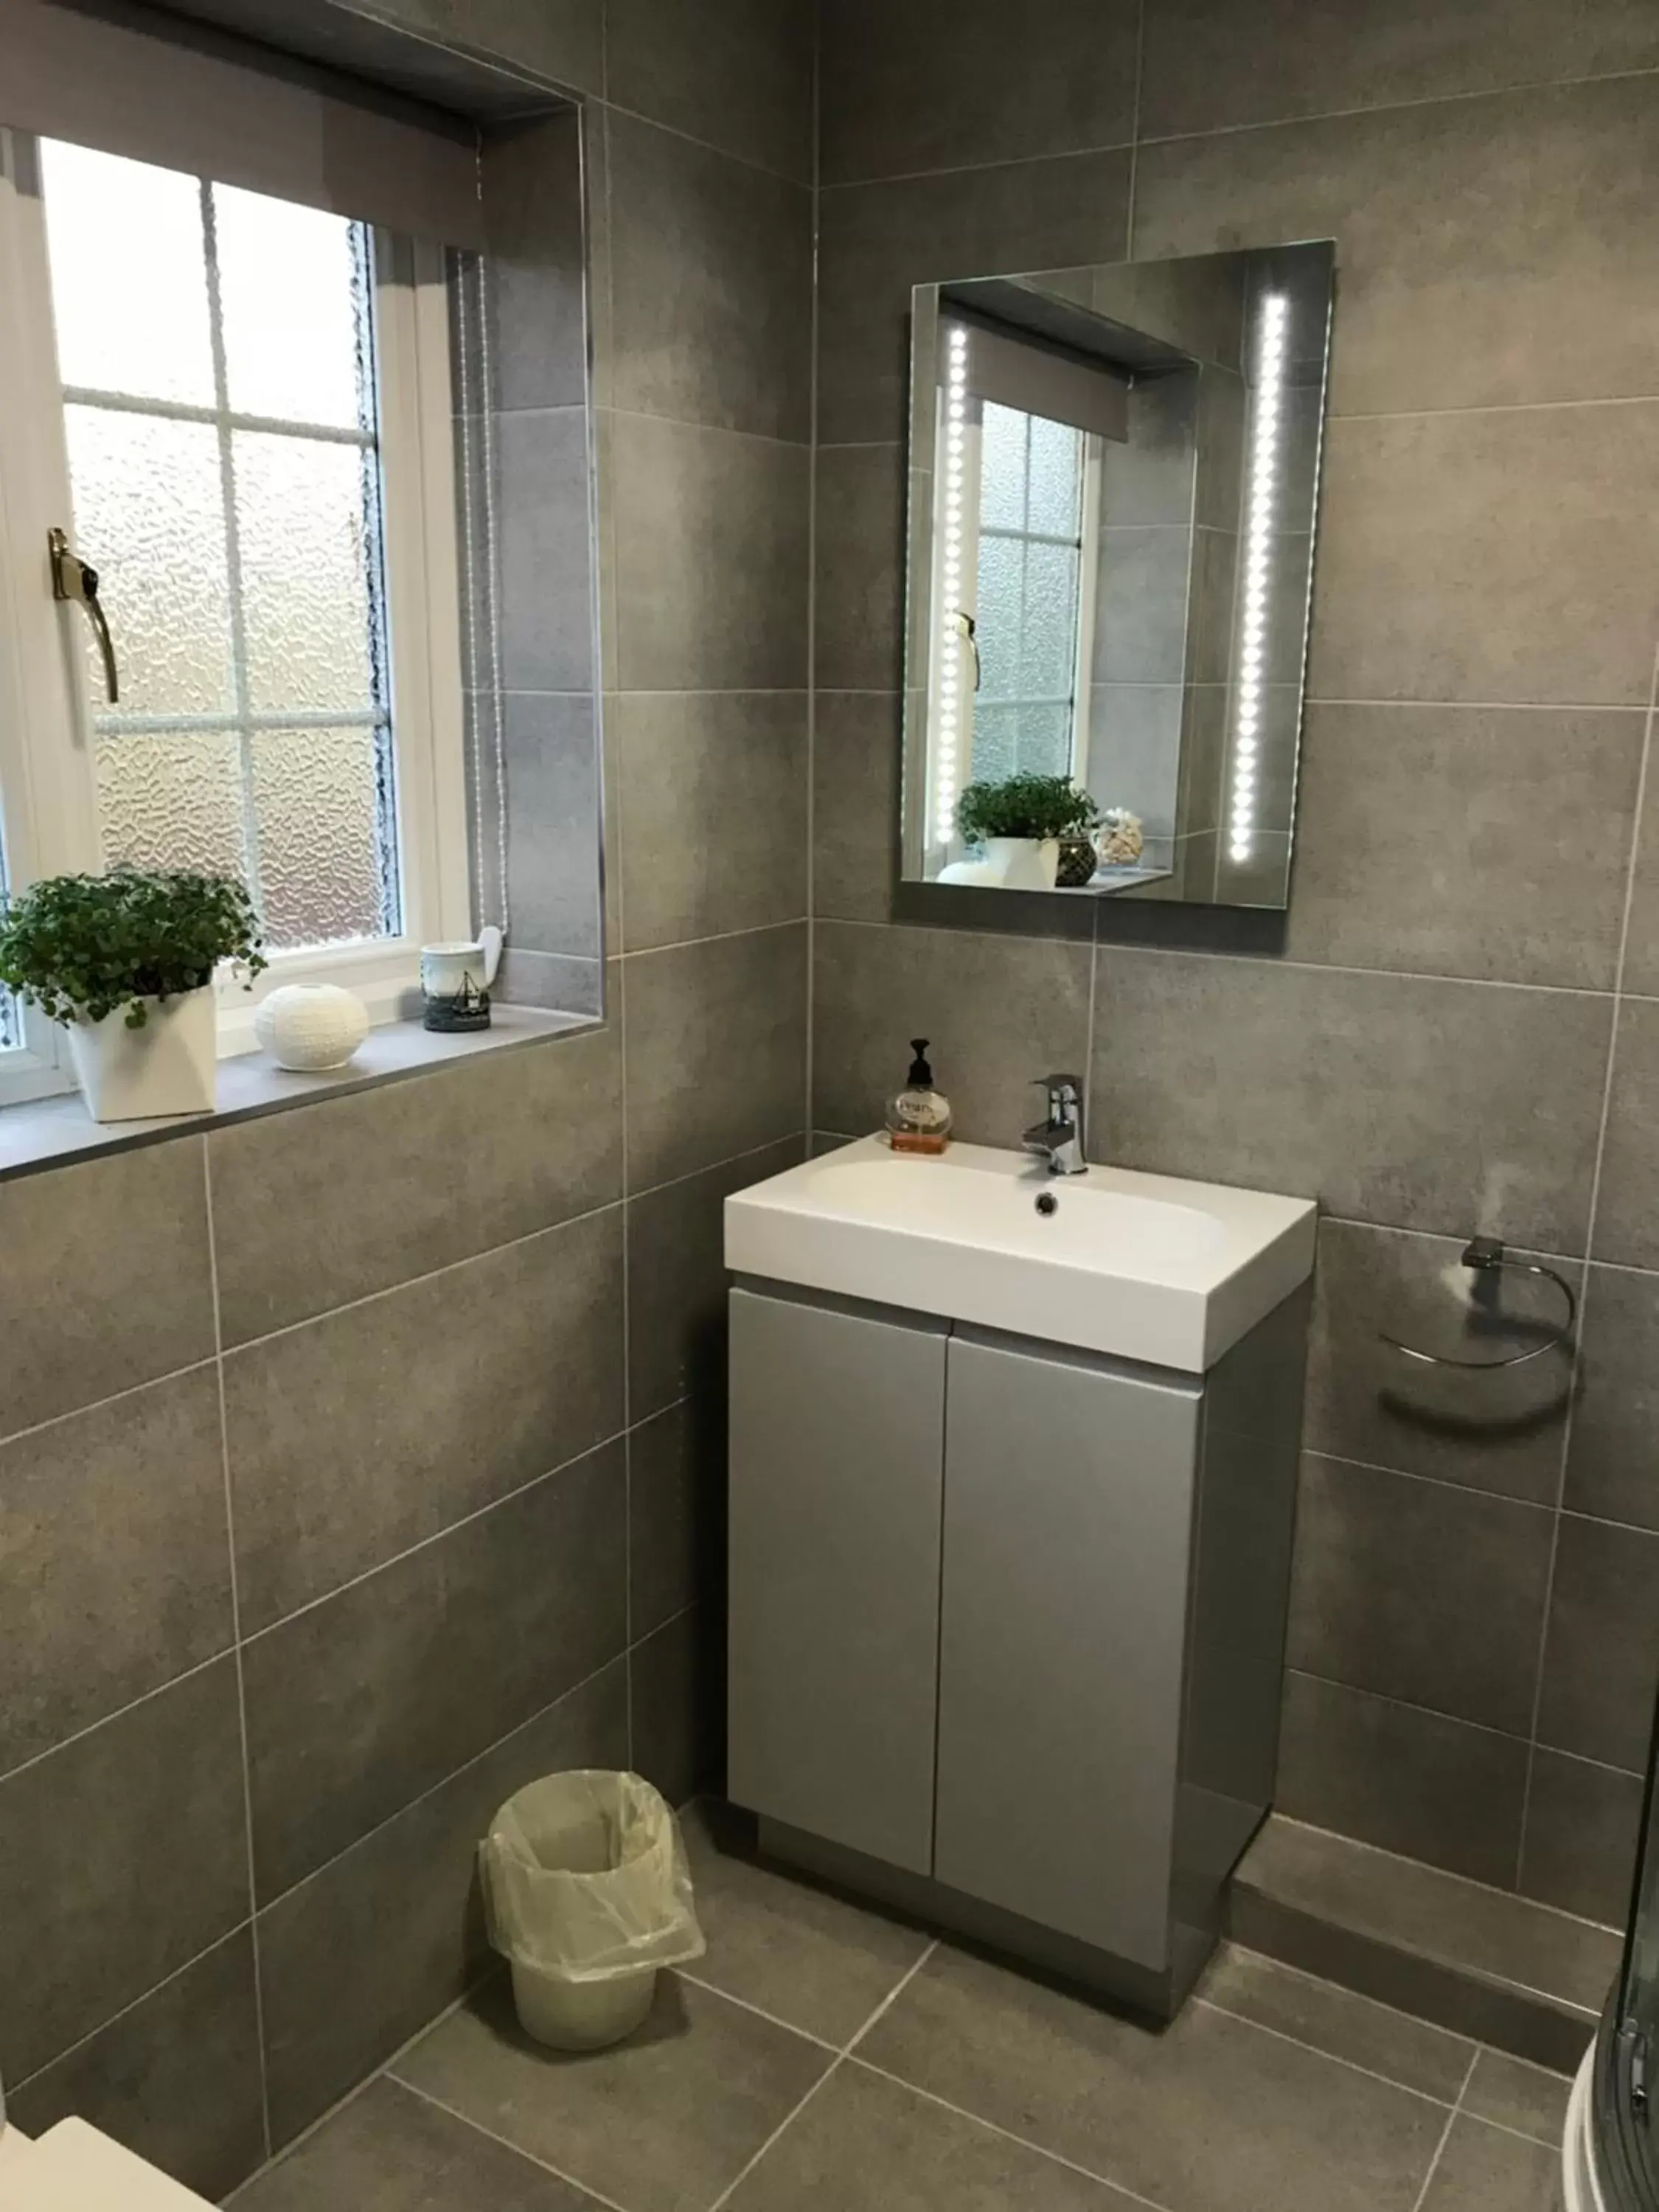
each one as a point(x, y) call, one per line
point(1113, 479)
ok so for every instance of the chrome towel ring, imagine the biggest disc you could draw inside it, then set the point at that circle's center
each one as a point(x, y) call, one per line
point(1487, 1254)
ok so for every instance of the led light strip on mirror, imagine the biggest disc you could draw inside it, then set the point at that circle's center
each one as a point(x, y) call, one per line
point(1259, 495)
point(946, 763)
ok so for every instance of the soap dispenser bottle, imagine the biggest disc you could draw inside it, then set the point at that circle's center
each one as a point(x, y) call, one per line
point(919, 1117)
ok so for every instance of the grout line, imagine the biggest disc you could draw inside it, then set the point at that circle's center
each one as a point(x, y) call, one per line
point(744, 2004)
point(1493, 407)
point(236, 1634)
point(717, 937)
point(1008, 2134)
point(1631, 862)
point(813, 413)
point(99, 1404)
point(107, 1720)
point(673, 130)
point(801, 445)
point(1334, 2058)
point(132, 2005)
point(1490, 706)
point(785, 2124)
point(530, 2157)
point(974, 168)
point(892, 1996)
point(1445, 2137)
point(1134, 132)
point(1436, 1481)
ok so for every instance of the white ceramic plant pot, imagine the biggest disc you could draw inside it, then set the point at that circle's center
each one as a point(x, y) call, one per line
point(311, 1026)
point(1024, 864)
point(168, 1067)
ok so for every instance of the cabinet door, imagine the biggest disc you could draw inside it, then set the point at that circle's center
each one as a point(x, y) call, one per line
point(1068, 1493)
point(837, 1461)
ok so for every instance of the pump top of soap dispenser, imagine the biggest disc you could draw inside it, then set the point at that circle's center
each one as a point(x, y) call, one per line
point(919, 1117)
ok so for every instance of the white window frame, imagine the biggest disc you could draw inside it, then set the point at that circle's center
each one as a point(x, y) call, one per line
point(46, 743)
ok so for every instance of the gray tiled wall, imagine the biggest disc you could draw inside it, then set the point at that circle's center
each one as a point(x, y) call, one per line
point(359, 1462)
point(1454, 1029)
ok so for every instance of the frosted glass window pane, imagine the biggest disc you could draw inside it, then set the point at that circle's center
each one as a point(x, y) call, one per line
point(289, 294)
point(149, 516)
point(1001, 587)
point(299, 509)
point(129, 279)
point(1002, 468)
point(1050, 631)
point(172, 801)
point(317, 793)
point(995, 732)
point(1056, 478)
point(1044, 746)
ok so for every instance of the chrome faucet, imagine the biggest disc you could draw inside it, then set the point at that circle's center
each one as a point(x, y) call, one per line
point(1060, 1139)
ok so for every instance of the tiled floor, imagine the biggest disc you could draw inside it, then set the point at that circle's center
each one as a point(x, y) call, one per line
point(823, 2059)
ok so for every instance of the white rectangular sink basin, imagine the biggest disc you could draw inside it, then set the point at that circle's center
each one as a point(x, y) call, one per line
point(1138, 1266)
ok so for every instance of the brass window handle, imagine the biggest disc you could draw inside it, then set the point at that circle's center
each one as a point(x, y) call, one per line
point(72, 578)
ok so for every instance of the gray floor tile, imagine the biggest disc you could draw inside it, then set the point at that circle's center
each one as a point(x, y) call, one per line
point(663, 2123)
point(1368, 2034)
point(864, 2141)
point(1213, 2115)
point(391, 2150)
point(807, 1957)
point(1486, 2169)
point(1529, 2099)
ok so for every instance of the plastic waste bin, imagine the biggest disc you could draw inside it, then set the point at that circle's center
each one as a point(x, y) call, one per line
point(587, 1894)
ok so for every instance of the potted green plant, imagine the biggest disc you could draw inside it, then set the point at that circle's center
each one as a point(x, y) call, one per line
point(1018, 823)
point(125, 962)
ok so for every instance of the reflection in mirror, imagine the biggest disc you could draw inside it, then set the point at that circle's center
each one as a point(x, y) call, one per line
point(1113, 485)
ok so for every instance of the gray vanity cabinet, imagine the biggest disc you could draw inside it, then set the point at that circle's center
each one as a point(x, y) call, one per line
point(1007, 1622)
point(1067, 1506)
point(837, 1423)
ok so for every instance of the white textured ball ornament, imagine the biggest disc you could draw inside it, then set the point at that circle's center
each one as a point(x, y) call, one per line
point(310, 1026)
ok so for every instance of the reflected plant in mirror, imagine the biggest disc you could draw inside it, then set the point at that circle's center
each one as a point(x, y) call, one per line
point(1113, 484)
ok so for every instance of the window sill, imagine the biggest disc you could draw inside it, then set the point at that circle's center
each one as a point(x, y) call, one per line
point(55, 1131)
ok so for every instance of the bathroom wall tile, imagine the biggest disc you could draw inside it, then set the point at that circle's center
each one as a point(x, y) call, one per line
point(1641, 969)
point(551, 751)
point(392, 2151)
point(1500, 1432)
point(713, 800)
point(676, 1281)
point(176, 2080)
point(455, 1390)
point(859, 568)
point(1464, 243)
point(1418, 1591)
point(999, 1014)
point(678, 1685)
point(676, 1513)
point(738, 76)
point(711, 558)
point(531, 191)
point(1627, 1202)
point(562, 39)
point(1582, 1827)
point(545, 561)
point(1611, 1470)
point(716, 1050)
point(1413, 1783)
point(358, 1705)
point(875, 241)
point(941, 85)
point(146, 1806)
point(1208, 67)
point(313, 1209)
point(1140, 607)
point(357, 1959)
point(1486, 892)
point(857, 741)
point(712, 266)
point(1601, 1656)
point(106, 1282)
point(1135, 750)
point(115, 1567)
point(552, 981)
point(1489, 556)
point(1406, 1101)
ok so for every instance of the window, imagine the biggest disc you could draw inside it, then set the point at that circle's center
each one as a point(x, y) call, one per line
point(238, 410)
